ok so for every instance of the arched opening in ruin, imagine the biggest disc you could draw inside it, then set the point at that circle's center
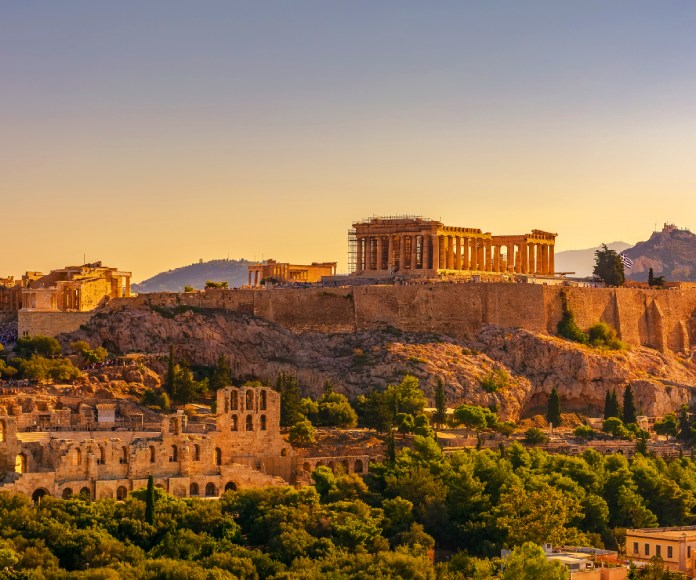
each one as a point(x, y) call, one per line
point(263, 402)
point(346, 467)
point(262, 422)
point(306, 467)
point(196, 452)
point(218, 456)
point(121, 493)
point(210, 490)
point(234, 400)
point(173, 427)
point(332, 466)
point(173, 454)
point(101, 456)
point(153, 454)
point(78, 456)
point(86, 493)
point(124, 455)
point(21, 463)
point(249, 423)
point(283, 452)
point(67, 493)
point(230, 486)
point(358, 468)
point(38, 494)
point(249, 403)
point(160, 485)
point(193, 490)
point(235, 423)
point(320, 464)
point(2, 431)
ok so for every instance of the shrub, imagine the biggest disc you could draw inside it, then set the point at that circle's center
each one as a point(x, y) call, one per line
point(567, 327)
point(615, 427)
point(40, 368)
point(302, 433)
point(603, 335)
point(495, 381)
point(535, 436)
point(42, 345)
point(585, 431)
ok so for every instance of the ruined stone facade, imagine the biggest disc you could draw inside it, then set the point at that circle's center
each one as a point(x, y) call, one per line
point(63, 299)
point(10, 294)
point(244, 450)
point(414, 246)
point(284, 273)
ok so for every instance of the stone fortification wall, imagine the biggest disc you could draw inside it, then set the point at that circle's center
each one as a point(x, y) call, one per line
point(662, 319)
point(34, 322)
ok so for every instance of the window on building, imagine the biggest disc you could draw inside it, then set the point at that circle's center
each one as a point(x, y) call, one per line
point(669, 551)
point(635, 548)
point(658, 550)
point(647, 549)
point(688, 551)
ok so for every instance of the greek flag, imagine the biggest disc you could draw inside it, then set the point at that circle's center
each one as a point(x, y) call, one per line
point(626, 261)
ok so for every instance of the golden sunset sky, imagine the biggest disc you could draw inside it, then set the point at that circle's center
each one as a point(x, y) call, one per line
point(149, 135)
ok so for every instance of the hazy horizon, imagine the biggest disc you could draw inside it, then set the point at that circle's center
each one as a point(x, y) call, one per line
point(149, 136)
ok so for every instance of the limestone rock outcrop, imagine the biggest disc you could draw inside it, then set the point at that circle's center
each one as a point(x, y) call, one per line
point(512, 369)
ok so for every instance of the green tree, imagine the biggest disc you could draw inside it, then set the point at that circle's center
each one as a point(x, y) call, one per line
point(375, 412)
point(406, 397)
point(440, 414)
point(553, 412)
point(471, 416)
point(150, 501)
point(629, 406)
point(27, 346)
point(213, 284)
point(222, 374)
point(611, 405)
point(668, 425)
point(529, 562)
point(301, 433)
point(655, 282)
point(186, 388)
point(290, 398)
point(609, 267)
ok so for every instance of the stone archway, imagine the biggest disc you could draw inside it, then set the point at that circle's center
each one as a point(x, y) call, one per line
point(67, 493)
point(38, 494)
point(210, 490)
point(230, 486)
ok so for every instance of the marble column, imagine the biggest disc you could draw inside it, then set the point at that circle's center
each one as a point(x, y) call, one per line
point(442, 246)
point(489, 265)
point(525, 257)
point(436, 251)
point(544, 259)
point(426, 252)
point(458, 253)
point(249, 277)
point(449, 240)
point(510, 256)
point(481, 265)
point(552, 260)
point(496, 258)
point(390, 253)
point(366, 253)
point(414, 248)
point(402, 253)
point(465, 253)
point(379, 253)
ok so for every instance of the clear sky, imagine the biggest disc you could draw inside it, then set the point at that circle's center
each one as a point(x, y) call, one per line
point(152, 134)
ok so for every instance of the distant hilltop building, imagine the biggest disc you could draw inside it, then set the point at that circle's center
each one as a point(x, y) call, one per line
point(43, 301)
point(412, 246)
point(285, 273)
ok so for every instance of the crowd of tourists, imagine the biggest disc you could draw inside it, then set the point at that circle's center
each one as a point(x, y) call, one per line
point(8, 334)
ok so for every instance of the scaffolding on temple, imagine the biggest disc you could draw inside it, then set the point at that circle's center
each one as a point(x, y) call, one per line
point(352, 251)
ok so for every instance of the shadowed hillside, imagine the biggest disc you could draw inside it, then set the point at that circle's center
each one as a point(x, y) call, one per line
point(234, 272)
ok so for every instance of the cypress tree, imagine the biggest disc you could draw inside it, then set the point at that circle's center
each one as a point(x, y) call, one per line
point(289, 391)
point(607, 405)
point(629, 406)
point(440, 403)
point(222, 374)
point(618, 411)
point(553, 413)
point(391, 446)
point(171, 372)
point(150, 501)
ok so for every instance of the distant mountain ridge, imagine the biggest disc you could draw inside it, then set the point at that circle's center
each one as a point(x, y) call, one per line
point(670, 253)
point(582, 261)
point(234, 272)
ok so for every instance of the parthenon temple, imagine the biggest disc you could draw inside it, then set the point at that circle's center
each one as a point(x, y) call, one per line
point(417, 246)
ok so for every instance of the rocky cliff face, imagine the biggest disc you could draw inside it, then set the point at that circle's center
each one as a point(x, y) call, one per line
point(513, 369)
